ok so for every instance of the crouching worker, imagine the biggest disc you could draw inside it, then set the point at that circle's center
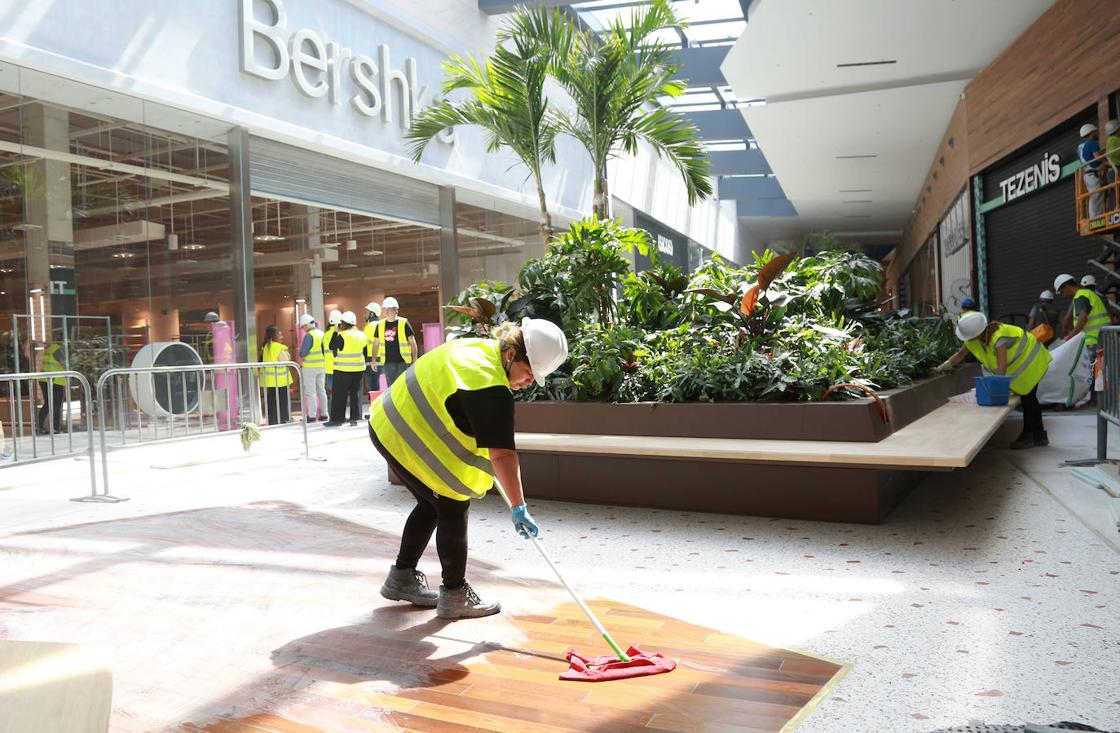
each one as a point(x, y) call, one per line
point(446, 429)
point(1006, 350)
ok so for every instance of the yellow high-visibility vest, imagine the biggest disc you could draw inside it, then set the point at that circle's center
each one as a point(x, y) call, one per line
point(352, 356)
point(412, 422)
point(402, 341)
point(52, 364)
point(274, 376)
point(328, 355)
point(1027, 359)
point(315, 358)
point(370, 330)
point(1098, 316)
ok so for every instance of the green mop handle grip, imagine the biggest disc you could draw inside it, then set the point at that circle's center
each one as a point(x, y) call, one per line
point(622, 656)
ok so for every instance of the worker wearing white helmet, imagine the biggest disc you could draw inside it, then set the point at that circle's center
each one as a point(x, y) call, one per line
point(394, 343)
point(1043, 318)
point(1092, 168)
point(349, 347)
point(373, 313)
point(1007, 350)
point(446, 430)
point(1112, 155)
point(1090, 313)
point(313, 366)
point(333, 319)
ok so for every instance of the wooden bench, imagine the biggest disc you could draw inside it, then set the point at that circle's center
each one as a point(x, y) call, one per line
point(825, 480)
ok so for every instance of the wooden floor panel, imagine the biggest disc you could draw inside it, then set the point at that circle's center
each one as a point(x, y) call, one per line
point(266, 619)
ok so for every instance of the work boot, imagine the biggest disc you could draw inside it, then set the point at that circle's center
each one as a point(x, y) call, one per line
point(1040, 438)
point(464, 603)
point(331, 424)
point(1025, 440)
point(409, 585)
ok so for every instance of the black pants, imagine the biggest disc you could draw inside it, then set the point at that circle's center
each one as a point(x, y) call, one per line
point(1032, 411)
point(57, 393)
point(445, 516)
point(345, 391)
point(277, 405)
point(373, 378)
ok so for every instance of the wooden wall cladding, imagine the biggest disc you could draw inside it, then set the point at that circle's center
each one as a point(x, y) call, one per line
point(1067, 60)
point(948, 174)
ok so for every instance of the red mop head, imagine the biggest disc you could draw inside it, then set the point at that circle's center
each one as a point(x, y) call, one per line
point(601, 669)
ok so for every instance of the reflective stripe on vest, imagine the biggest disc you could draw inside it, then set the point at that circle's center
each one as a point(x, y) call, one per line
point(274, 376)
point(402, 341)
point(370, 330)
point(412, 422)
point(314, 358)
point(1098, 315)
point(52, 364)
point(1027, 360)
point(328, 355)
point(352, 356)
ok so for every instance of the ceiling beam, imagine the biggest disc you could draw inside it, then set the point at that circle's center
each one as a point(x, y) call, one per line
point(741, 162)
point(699, 66)
point(720, 124)
point(498, 7)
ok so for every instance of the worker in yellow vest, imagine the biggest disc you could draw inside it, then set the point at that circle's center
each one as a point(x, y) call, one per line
point(1006, 350)
point(312, 363)
point(53, 389)
point(275, 380)
point(333, 320)
point(373, 314)
point(349, 347)
point(446, 429)
point(395, 343)
point(1090, 314)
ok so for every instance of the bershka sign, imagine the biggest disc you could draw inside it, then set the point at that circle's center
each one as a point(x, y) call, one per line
point(665, 245)
point(324, 68)
point(1041, 174)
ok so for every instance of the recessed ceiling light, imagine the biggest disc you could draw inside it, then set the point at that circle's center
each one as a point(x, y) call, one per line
point(332, 244)
point(26, 227)
point(855, 190)
point(854, 157)
point(348, 266)
point(267, 238)
point(194, 247)
point(123, 255)
point(373, 252)
point(861, 201)
point(258, 254)
point(188, 261)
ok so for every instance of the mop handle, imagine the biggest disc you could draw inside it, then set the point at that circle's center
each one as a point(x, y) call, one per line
point(622, 657)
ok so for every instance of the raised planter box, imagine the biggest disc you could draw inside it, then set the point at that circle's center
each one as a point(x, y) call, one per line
point(779, 489)
point(851, 420)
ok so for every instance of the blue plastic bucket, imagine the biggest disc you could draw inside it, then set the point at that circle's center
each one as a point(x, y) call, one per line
point(993, 391)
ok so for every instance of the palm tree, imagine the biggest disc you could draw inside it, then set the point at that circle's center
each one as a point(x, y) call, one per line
point(613, 79)
point(507, 101)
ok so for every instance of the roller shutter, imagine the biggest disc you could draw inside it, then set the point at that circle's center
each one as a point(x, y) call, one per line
point(317, 179)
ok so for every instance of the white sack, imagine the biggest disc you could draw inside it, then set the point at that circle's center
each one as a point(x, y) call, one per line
point(1067, 380)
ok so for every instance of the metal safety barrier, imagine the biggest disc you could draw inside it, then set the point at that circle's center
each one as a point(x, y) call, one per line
point(54, 409)
point(1108, 399)
point(190, 401)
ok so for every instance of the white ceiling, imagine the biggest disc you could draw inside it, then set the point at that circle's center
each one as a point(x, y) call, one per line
point(816, 110)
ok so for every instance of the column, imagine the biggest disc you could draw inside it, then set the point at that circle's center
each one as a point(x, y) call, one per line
point(448, 250)
point(241, 234)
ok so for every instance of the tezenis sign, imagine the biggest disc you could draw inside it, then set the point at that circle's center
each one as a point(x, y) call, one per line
point(1048, 171)
point(321, 68)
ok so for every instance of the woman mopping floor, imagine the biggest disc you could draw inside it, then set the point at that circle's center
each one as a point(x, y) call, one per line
point(446, 430)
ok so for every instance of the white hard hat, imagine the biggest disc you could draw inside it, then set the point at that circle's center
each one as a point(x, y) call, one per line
point(349, 317)
point(306, 319)
point(211, 317)
point(1086, 129)
point(390, 303)
point(335, 317)
point(971, 324)
point(1061, 280)
point(545, 345)
point(1088, 282)
point(374, 308)
point(1045, 295)
point(1111, 126)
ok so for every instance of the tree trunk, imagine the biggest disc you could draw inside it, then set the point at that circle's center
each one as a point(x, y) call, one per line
point(598, 201)
point(545, 224)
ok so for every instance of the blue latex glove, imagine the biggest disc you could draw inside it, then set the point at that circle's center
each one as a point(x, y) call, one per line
point(524, 523)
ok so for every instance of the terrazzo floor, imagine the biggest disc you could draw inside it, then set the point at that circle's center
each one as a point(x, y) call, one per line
point(990, 594)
